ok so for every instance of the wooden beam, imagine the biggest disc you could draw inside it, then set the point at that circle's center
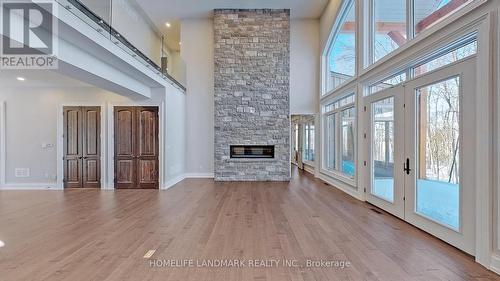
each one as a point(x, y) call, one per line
point(380, 27)
point(438, 14)
point(397, 37)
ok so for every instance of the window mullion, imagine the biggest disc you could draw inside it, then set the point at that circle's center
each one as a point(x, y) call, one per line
point(410, 20)
point(371, 26)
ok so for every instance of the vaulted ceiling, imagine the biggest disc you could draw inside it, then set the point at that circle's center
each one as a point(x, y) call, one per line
point(173, 11)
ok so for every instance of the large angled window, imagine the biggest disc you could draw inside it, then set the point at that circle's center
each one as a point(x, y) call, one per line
point(341, 56)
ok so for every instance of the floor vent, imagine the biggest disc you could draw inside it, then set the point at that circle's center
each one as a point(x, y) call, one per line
point(22, 172)
point(376, 211)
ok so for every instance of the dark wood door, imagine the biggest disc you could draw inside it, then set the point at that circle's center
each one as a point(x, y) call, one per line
point(125, 147)
point(82, 147)
point(147, 147)
point(91, 147)
point(136, 147)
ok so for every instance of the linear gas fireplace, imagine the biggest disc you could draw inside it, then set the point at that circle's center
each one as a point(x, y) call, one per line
point(252, 151)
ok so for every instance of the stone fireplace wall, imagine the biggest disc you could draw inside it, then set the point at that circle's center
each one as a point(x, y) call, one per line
point(252, 95)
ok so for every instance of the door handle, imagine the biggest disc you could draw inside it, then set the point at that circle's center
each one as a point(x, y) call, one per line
point(406, 166)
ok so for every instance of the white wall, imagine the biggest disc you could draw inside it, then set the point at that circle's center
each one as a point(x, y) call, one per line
point(175, 136)
point(327, 20)
point(197, 50)
point(32, 119)
point(304, 66)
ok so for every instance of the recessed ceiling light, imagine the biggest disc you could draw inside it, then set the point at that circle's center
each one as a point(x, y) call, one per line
point(168, 24)
point(2, 244)
point(21, 78)
point(180, 43)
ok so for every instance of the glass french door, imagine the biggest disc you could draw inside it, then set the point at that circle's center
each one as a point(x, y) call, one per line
point(385, 119)
point(418, 146)
point(440, 193)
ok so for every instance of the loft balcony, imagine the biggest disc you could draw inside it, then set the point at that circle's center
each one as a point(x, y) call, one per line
point(154, 55)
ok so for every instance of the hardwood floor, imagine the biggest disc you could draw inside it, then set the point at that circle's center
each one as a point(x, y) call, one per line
point(104, 235)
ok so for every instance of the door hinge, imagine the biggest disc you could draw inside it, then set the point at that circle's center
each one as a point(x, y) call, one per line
point(404, 198)
point(364, 135)
point(365, 108)
point(365, 189)
point(364, 163)
point(404, 105)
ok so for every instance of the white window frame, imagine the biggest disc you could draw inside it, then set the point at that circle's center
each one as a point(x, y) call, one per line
point(369, 26)
point(477, 15)
point(342, 14)
point(442, 49)
point(368, 66)
point(306, 135)
point(337, 173)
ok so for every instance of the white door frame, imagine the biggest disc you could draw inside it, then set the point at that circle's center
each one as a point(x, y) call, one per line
point(111, 140)
point(464, 238)
point(60, 140)
point(397, 207)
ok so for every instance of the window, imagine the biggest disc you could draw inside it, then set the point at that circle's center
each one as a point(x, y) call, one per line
point(348, 136)
point(389, 27)
point(330, 161)
point(341, 57)
point(429, 12)
point(448, 58)
point(295, 142)
point(309, 142)
point(340, 136)
point(388, 83)
point(295, 137)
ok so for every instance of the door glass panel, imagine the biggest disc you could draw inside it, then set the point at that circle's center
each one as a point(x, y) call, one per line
point(348, 164)
point(438, 144)
point(383, 149)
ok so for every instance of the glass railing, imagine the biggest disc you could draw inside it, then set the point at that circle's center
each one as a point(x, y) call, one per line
point(99, 15)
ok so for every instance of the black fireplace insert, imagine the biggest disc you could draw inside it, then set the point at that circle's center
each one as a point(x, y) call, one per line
point(252, 151)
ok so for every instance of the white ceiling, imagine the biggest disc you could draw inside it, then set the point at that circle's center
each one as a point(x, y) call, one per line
point(173, 11)
point(39, 79)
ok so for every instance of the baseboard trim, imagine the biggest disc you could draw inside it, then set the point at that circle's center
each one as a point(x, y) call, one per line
point(495, 263)
point(199, 175)
point(174, 181)
point(30, 186)
point(308, 168)
point(341, 186)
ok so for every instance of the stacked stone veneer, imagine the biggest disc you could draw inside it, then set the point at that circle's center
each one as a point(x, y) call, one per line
point(252, 95)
